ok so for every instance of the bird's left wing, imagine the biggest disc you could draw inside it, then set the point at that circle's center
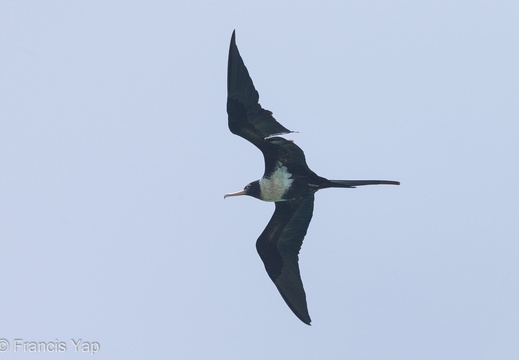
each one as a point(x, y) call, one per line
point(278, 247)
point(246, 116)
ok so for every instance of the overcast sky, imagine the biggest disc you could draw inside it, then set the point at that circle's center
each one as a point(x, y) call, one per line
point(115, 155)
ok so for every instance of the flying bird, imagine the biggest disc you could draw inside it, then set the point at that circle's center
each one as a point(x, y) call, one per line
point(287, 181)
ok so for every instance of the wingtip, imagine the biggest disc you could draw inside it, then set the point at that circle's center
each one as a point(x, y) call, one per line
point(305, 318)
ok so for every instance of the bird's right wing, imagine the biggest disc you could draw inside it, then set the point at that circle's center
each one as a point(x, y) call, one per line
point(278, 247)
point(246, 116)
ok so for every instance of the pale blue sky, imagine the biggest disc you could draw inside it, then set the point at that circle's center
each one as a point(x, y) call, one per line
point(115, 155)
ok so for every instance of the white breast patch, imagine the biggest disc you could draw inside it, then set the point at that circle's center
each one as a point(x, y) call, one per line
point(274, 187)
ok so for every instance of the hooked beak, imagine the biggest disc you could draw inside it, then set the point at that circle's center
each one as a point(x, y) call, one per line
point(237, 193)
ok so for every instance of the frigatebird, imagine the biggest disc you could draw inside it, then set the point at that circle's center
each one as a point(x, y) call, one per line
point(287, 181)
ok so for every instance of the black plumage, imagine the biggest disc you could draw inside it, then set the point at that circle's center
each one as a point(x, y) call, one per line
point(287, 181)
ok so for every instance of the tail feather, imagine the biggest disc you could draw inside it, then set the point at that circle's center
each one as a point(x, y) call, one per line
point(355, 183)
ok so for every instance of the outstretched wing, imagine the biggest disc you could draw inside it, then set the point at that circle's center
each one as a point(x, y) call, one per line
point(278, 247)
point(253, 123)
point(246, 116)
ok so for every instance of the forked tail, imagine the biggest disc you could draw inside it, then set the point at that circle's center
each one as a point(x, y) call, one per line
point(355, 183)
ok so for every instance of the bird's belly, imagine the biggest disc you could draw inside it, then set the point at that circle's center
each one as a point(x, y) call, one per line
point(274, 187)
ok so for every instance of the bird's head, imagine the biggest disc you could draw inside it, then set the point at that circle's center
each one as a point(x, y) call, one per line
point(252, 189)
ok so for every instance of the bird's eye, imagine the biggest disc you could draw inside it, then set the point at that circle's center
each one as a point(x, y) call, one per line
point(247, 187)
